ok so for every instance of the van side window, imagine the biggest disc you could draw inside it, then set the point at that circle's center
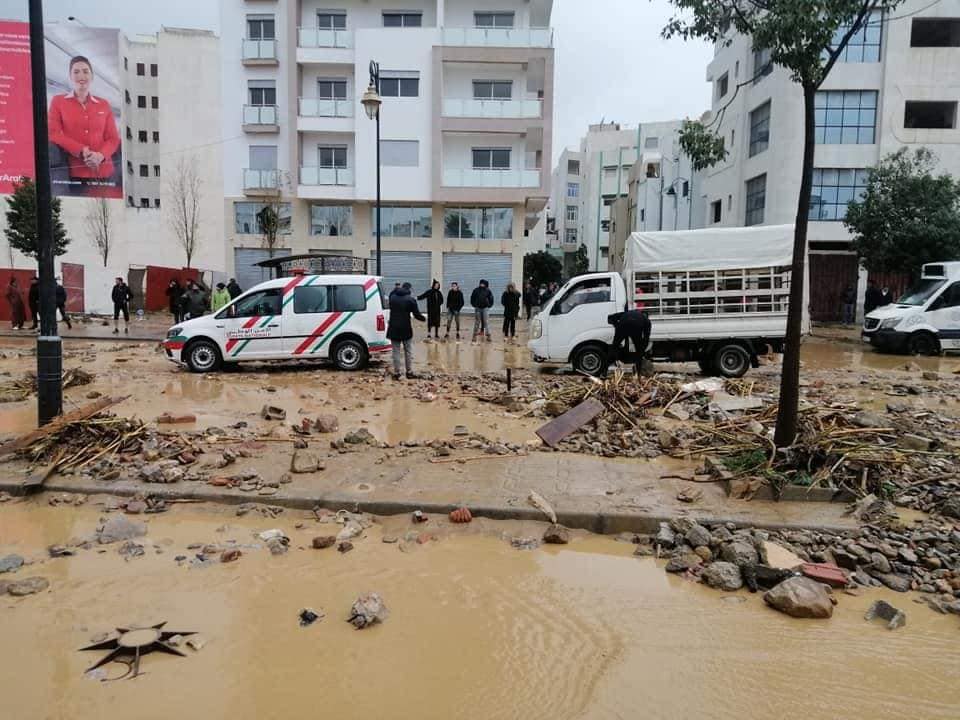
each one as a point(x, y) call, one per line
point(583, 293)
point(311, 299)
point(265, 302)
point(349, 298)
point(950, 297)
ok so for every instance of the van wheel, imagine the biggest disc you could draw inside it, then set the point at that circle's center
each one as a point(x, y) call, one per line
point(591, 360)
point(203, 356)
point(923, 343)
point(350, 355)
point(731, 361)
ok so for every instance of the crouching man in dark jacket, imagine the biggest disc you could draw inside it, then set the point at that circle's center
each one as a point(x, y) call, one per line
point(632, 325)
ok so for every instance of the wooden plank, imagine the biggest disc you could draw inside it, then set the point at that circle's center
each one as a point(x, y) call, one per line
point(58, 424)
point(573, 419)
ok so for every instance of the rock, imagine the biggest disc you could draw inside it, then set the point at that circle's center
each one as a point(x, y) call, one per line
point(308, 616)
point(169, 419)
point(800, 597)
point(704, 553)
point(524, 543)
point(677, 413)
point(460, 431)
point(556, 535)
point(912, 367)
point(324, 541)
point(951, 507)
point(367, 610)
point(118, 528)
point(739, 553)
point(682, 563)
point(895, 582)
point(27, 586)
point(271, 412)
point(864, 419)
point(59, 551)
point(879, 563)
point(842, 558)
point(130, 550)
point(665, 536)
point(930, 375)
point(303, 462)
point(359, 437)
point(230, 555)
point(172, 475)
point(910, 441)
point(553, 408)
point(697, 535)
point(461, 515)
point(723, 576)
point(826, 573)
point(10, 563)
point(327, 424)
point(885, 611)
point(897, 407)
point(135, 507)
point(762, 577)
point(345, 547)
point(907, 555)
point(735, 403)
point(300, 444)
point(277, 546)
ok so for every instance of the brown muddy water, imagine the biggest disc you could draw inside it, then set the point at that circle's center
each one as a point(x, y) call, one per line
point(477, 630)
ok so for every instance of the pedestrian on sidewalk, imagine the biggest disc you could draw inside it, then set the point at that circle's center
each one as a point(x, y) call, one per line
point(234, 289)
point(482, 300)
point(434, 298)
point(530, 298)
point(121, 296)
point(454, 306)
point(872, 298)
point(17, 313)
point(511, 310)
point(194, 301)
point(849, 300)
point(400, 329)
point(62, 303)
point(220, 298)
point(174, 293)
point(33, 299)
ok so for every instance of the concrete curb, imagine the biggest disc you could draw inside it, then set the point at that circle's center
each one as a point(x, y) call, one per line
point(91, 338)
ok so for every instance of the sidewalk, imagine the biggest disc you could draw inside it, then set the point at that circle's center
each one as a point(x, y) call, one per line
point(148, 329)
point(836, 332)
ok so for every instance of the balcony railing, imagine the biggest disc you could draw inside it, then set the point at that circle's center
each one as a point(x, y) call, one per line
point(467, 177)
point(475, 108)
point(259, 49)
point(261, 179)
point(499, 37)
point(318, 107)
point(260, 115)
point(319, 38)
point(326, 176)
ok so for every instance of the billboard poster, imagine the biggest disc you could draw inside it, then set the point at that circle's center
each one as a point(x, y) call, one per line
point(83, 100)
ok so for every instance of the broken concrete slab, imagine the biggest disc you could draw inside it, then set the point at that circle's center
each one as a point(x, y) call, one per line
point(733, 403)
point(571, 421)
point(885, 611)
point(118, 528)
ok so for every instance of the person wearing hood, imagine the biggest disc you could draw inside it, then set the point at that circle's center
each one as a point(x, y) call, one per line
point(482, 300)
point(220, 298)
point(434, 298)
point(194, 301)
point(234, 289)
point(511, 310)
point(454, 306)
point(400, 329)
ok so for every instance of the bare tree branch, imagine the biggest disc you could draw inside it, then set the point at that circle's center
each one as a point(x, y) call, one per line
point(99, 224)
point(184, 217)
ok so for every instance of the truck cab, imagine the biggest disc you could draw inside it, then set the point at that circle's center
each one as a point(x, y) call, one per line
point(926, 320)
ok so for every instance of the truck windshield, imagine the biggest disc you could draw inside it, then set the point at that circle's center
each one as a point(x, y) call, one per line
point(919, 294)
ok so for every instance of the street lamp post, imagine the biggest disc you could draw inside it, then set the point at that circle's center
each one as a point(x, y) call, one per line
point(371, 103)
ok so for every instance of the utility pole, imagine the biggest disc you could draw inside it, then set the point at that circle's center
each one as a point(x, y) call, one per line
point(49, 346)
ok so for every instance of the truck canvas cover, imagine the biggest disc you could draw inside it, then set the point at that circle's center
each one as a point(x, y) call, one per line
point(710, 249)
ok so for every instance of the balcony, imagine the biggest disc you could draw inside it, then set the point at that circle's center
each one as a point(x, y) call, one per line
point(313, 176)
point(260, 52)
point(260, 119)
point(498, 37)
point(324, 108)
point(261, 182)
point(315, 45)
point(473, 178)
point(474, 108)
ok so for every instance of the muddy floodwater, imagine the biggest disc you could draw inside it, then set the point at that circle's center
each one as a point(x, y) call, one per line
point(477, 630)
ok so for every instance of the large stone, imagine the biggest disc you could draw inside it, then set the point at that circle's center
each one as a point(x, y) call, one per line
point(665, 536)
point(367, 610)
point(763, 577)
point(723, 576)
point(951, 507)
point(848, 561)
point(800, 597)
point(697, 535)
point(740, 552)
point(879, 563)
point(907, 555)
point(899, 583)
point(28, 586)
point(682, 563)
point(118, 528)
point(864, 419)
point(359, 437)
point(327, 424)
point(304, 462)
point(10, 563)
point(556, 535)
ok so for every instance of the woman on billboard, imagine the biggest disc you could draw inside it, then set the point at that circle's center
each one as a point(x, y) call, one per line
point(82, 125)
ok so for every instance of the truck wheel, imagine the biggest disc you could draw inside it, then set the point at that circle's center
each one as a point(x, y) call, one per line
point(350, 354)
point(203, 356)
point(591, 360)
point(923, 343)
point(731, 361)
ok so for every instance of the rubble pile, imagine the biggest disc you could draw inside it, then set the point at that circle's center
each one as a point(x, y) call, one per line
point(76, 445)
point(26, 385)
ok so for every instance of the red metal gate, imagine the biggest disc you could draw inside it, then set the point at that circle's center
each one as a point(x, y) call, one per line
point(72, 279)
point(158, 280)
point(830, 275)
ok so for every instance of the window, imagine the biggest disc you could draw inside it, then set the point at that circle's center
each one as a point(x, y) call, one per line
point(153, 70)
point(398, 83)
point(328, 20)
point(493, 19)
point(130, 167)
point(583, 293)
point(480, 223)
point(833, 189)
point(762, 66)
point(144, 171)
point(685, 189)
point(156, 136)
point(492, 89)
point(263, 157)
point(651, 143)
point(949, 298)
point(142, 101)
point(402, 19)
point(156, 171)
point(573, 190)
point(845, 117)
point(736, 69)
point(572, 211)
point(265, 302)
point(570, 236)
point(145, 202)
point(126, 64)
point(141, 136)
point(573, 167)
point(729, 202)
point(930, 115)
point(733, 139)
point(332, 89)
point(760, 129)
point(261, 27)
point(756, 200)
point(129, 133)
point(155, 102)
point(653, 170)
point(415, 222)
point(312, 299)
point(331, 220)
point(126, 96)
point(156, 202)
point(864, 44)
point(246, 222)
point(723, 84)
point(332, 156)
point(130, 200)
point(141, 69)
point(935, 32)
point(400, 153)
point(491, 158)
point(349, 298)
point(716, 211)
point(262, 92)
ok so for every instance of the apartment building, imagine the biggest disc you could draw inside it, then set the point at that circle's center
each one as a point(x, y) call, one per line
point(564, 209)
point(465, 125)
point(141, 113)
point(896, 85)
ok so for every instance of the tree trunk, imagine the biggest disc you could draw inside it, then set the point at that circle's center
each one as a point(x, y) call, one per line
point(786, 430)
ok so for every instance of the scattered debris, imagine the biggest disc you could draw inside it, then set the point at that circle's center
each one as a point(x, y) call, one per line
point(130, 550)
point(525, 543)
point(419, 517)
point(367, 610)
point(271, 412)
point(556, 430)
point(230, 555)
point(885, 611)
point(537, 500)
point(345, 546)
point(324, 541)
point(135, 642)
point(309, 616)
point(168, 419)
point(461, 515)
point(21, 389)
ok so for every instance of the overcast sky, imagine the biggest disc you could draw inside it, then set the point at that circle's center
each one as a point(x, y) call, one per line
point(610, 63)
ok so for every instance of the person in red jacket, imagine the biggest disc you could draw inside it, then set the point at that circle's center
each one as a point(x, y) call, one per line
point(82, 125)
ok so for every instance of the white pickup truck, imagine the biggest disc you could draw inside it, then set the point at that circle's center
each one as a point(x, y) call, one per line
point(717, 297)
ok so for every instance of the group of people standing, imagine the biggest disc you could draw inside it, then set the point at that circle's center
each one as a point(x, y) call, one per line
point(18, 315)
point(193, 300)
point(873, 298)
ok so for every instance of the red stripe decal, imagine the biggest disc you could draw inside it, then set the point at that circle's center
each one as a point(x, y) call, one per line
point(293, 283)
point(369, 284)
point(246, 326)
point(317, 333)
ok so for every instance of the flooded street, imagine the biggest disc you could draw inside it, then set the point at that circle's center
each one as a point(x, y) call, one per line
point(477, 630)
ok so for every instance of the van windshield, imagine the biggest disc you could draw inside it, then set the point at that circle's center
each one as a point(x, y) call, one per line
point(919, 294)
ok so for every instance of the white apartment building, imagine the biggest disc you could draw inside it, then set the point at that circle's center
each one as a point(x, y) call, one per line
point(141, 132)
point(565, 207)
point(465, 125)
point(896, 85)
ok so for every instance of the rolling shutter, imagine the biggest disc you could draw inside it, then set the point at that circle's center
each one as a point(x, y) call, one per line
point(245, 270)
point(469, 268)
point(411, 267)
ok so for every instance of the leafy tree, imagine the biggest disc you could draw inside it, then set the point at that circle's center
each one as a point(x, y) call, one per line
point(908, 215)
point(581, 262)
point(542, 268)
point(806, 38)
point(21, 228)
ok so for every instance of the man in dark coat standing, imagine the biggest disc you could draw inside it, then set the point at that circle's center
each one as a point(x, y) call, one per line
point(434, 298)
point(482, 300)
point(400, 329)
point(234, 289)
point(872, 298)
point(454, 306)
point(121, 296)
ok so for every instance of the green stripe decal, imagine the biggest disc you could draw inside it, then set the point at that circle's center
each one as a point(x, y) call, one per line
point(241, 347)
point(330, 334)
point(266, 321)
point(308, 283)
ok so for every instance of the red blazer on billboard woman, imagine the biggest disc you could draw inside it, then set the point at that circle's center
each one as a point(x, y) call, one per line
point(83, 125)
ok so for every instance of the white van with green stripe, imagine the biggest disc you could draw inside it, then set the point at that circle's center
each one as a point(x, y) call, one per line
point(337, 317)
